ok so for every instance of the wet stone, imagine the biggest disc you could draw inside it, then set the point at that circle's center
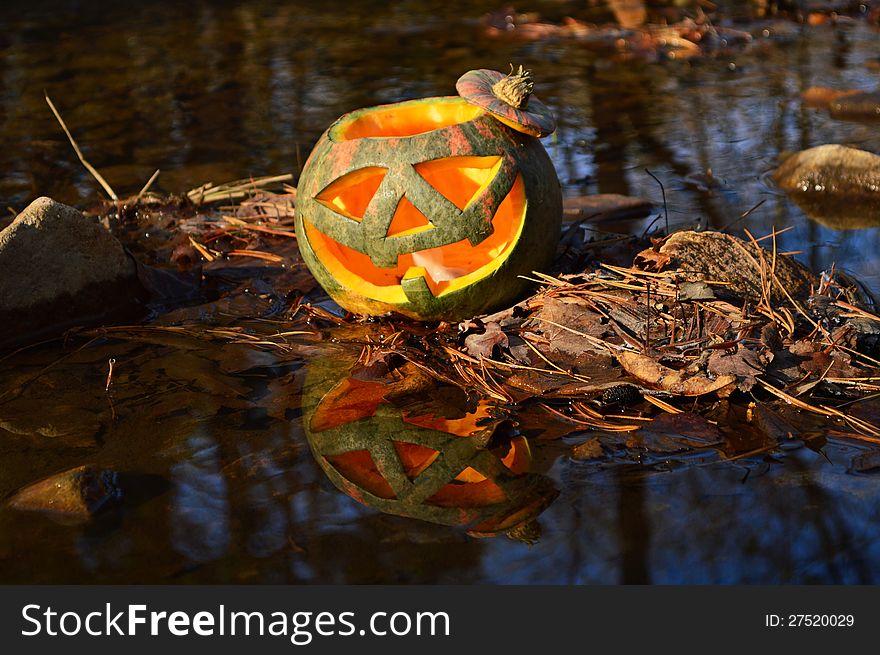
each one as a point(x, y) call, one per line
point(59, 268)
point(724, 258)
point(856, 105)
point(835, 185)
point(70, 497)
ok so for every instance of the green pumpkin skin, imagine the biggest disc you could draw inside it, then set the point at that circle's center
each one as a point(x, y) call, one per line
point(335, 156)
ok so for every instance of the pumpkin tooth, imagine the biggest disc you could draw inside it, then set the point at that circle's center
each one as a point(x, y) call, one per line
point(415, 285)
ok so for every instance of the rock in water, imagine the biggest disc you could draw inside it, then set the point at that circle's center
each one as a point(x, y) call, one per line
point(857, 106)
point(736, 263)
point(59, 268)
point(834, 185)
point(70, 497)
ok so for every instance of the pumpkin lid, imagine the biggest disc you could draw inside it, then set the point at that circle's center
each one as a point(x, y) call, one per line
point(508, 98)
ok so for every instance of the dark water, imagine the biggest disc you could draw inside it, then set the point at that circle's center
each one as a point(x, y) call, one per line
point(221, 483)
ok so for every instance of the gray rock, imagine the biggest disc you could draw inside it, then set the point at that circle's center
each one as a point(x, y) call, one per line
point(58, 267)
point(715, 256)
point(50, 250)
point(835, 185)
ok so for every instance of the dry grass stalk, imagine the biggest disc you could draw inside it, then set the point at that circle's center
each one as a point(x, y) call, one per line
point(256, 254)
point(91, 169)
point(204, 252)
point(208, 194)
point(147, 186)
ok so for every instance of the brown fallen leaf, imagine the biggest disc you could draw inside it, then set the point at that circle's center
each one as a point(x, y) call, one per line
point(679, 383)
point(564, 322)
point(818, 362)
point(773, 421)
point(651, 259)
point(770, 337)
point(737, 264)
point(468, 424)
point(535, 383)
point(743, 364)
point(373, 365)
point(482, 345)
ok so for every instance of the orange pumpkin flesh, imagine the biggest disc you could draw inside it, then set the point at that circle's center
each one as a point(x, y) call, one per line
point(404, 119)
point(430, 208)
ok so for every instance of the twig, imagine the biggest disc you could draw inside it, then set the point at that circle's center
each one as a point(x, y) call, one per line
point(148, 185)
point(743, 216)
point(110, 363)
point(662, 191)
point(91, 169)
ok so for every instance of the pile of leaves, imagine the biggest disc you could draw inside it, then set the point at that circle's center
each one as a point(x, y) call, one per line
point(706, 341)
point(702, 340)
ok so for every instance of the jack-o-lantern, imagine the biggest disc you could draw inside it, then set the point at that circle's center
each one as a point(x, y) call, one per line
point(431, 208)
point(414, 463)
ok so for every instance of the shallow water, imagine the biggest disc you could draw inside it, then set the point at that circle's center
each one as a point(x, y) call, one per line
point(220, 484)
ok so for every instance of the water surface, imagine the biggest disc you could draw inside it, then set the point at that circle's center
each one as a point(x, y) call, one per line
point(226, 488)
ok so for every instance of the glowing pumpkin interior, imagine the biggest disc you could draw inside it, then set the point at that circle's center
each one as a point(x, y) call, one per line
point(461, 180)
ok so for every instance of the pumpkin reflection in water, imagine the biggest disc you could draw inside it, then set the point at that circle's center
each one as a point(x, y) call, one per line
point(431, 208)
point(381, 443)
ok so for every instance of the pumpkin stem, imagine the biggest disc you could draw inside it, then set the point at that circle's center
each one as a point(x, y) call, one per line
point(527, 533)
point(515, 88)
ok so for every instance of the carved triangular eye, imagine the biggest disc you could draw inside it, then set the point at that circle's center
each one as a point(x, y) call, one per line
point(474, 494)
point(358, 467)
point(350, 194)
point(408, 220)
point(460, 179)
point(414, 457)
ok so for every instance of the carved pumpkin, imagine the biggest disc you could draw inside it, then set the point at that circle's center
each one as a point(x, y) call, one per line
point(430, 208)
point(416, 464)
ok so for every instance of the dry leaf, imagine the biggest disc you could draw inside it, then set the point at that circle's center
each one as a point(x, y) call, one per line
point(744, 364)
point(651, 260)
point(679, 383)
point(482, 345)
point(719, 257)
